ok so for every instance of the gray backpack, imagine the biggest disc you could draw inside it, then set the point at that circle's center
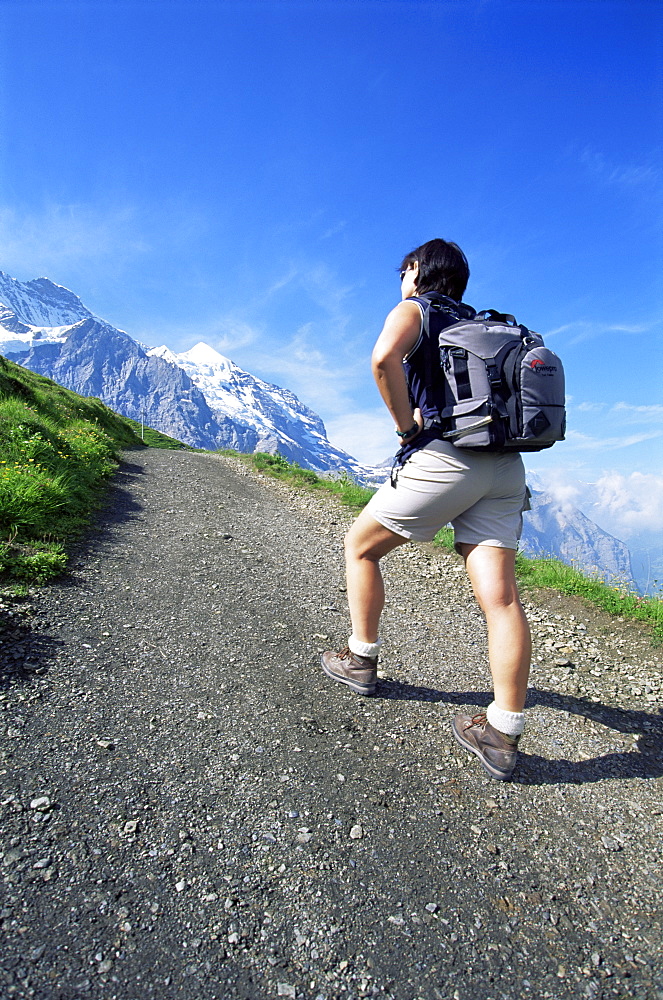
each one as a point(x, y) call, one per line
point(503, 389)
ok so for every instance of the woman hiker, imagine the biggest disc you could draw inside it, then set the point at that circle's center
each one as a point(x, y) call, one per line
point(482, 494)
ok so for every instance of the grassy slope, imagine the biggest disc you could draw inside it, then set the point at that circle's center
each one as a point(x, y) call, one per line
point(344, 487)
point(57, 449)
point(553, 574)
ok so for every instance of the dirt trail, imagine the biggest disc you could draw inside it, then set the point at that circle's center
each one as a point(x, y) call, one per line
point(190, 809)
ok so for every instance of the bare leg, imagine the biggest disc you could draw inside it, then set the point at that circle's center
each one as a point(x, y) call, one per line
point(365, 544)
point(492, 573)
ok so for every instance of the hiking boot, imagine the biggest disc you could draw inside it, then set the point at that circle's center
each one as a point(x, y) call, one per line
point(359, 672)
point(496, 751)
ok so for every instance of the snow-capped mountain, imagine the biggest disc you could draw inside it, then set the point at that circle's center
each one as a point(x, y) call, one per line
point(41, 304)
point(280, 421)
point(199, 397)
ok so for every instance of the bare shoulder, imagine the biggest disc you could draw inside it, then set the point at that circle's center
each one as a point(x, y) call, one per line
point(400, 331)
point(406, 314)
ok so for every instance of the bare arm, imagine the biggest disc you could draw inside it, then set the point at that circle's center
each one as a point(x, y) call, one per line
point(399, 335)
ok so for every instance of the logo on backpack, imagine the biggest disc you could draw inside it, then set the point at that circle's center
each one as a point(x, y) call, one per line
point(538, 366)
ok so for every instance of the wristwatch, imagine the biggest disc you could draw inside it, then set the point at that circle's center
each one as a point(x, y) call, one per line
point(412, 430)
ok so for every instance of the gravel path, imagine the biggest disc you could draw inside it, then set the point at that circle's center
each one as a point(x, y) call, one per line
point(190, 809)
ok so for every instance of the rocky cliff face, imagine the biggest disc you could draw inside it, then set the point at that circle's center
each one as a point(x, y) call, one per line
point(564, 532)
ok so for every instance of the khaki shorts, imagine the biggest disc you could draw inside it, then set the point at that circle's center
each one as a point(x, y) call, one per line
point(482, 494)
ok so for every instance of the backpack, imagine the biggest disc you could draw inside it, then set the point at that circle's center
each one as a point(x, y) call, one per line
point(503, 389)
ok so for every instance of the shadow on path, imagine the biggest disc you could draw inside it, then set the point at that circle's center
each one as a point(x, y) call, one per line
point(26, 646)
point(26, 649)
point(645, 761)
point(118, 506)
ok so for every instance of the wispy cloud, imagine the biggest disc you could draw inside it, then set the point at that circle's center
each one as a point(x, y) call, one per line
point(101, 241)
point(229, 336)
point(334, 230)
point(328, 291)
point(625, 504)
point(607, 443)
point(590, 407)
point(635, 501)
point(61, 235)
point(582, 329)
point(559, 484)
point(322, 361)
point(322, 378)
point(376, 437)
point(282, 282)
point(225, 334)
point(652, 413)
point(622, 174)
point(621, 412)
point(618, 439)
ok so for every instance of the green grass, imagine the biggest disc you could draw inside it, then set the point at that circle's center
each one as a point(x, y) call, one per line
point(57, 450)
point(155, 439)
point(350, 493)
point(616, 600)
point(553, 574)
point(445, 538)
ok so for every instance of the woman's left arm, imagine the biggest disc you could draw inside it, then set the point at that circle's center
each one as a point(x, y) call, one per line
point(399, 335)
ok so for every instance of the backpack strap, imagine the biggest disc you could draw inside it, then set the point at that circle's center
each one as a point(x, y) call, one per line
point(456, 358)
point(435, 304)
point(492, 315)
point(497, 317)
point(426, 305)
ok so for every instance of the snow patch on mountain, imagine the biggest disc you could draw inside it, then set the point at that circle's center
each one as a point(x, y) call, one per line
point(281, 421)
point(16, 336)
point(41, 303)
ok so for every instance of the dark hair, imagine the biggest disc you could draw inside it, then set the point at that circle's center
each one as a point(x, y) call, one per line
point(443, 268)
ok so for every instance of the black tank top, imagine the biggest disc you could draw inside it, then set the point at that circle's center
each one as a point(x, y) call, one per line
point(422, 364)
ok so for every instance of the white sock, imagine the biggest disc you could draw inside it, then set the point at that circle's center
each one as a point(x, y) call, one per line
point(364, 648)
point(509, 723)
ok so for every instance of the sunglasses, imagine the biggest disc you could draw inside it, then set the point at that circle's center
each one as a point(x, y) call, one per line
point(404, 272)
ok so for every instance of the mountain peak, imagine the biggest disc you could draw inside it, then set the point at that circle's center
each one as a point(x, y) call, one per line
point(203, 354)
point(162, 352)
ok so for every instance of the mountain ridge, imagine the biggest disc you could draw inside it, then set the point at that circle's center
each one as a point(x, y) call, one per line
point(561, 531)
point(47, 328)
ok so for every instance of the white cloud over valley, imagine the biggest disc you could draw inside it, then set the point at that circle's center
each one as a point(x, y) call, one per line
point(633, 502)
point(628, 506)
point(368, 435)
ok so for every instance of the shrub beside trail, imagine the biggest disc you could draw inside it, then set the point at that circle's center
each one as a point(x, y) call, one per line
point(57, 449)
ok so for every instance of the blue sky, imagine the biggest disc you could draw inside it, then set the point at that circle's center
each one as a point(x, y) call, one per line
point(251, 173)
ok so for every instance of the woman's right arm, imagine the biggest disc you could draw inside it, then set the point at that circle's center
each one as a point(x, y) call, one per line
point(399, 335)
